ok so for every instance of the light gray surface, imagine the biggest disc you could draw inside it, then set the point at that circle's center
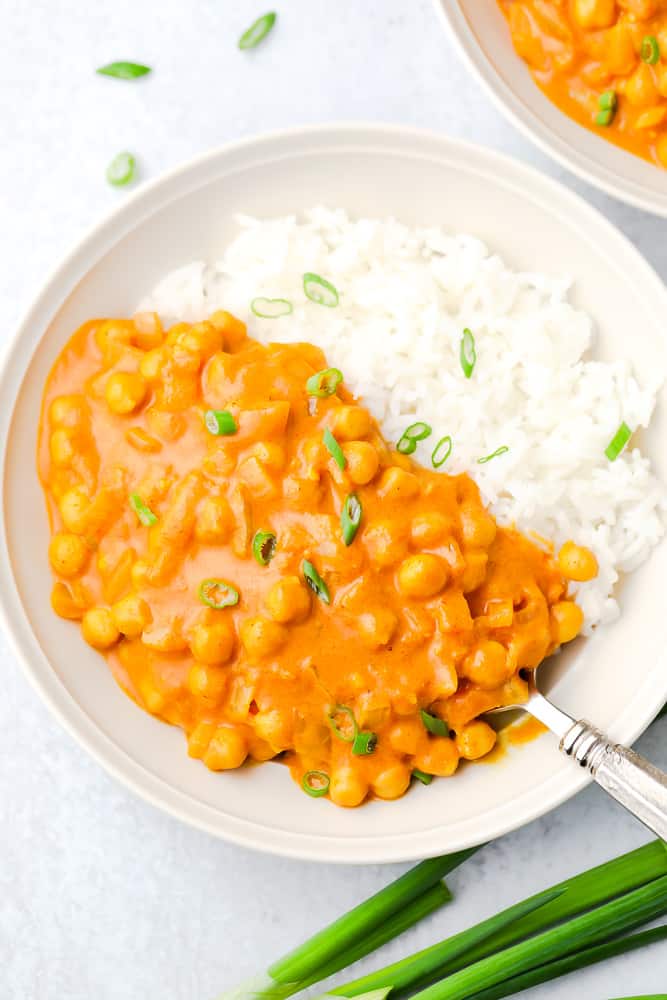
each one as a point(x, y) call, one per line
point(100, 895)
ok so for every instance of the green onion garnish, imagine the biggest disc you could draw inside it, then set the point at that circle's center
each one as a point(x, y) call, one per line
point(144, 513)
point(346, 729)
point(324, 383)
point(220, 423)
point(422, 776)
point(407, 443)
point(218, 594)
point(264, 547)
point(434, 724)
point(124, 70)
point(650, 50)
point(494, 454)
point(271, 308)
point(121, 169)
point(607, 102)
point(364, 743)
point(320, 290)
point(316, 783)
point(618, 442)
point(315, 581)
point(442, 451)
point(467, 353)
point(350, 517)
point(334, 449)
point(257, 31)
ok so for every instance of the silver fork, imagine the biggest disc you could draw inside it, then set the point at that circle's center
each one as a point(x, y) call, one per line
point(627, 776)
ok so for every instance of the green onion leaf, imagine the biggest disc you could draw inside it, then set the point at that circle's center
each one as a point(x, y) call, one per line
point(364, 743)
point(324, 383)
point(334, 449)
point(124, 70)
point(467, 353)
point(422, 776)
point(344, 724)
point(618, 442)
point(434, 724)
point(144, 513)
point(650, 50)
point(604, 118)
point(494, 454)
point(218, 594)
point(407, 443)
point(220, 423)
point(316, 783)
point(350, 517)
point(121, 169)
point(442, 451)
point(320, 290)
point(264, 547)
point(608, 101)
point(271, 308)
point(315, 581)
point(257, 31)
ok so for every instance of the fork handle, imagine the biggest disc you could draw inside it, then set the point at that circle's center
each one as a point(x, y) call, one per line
point(626, 775)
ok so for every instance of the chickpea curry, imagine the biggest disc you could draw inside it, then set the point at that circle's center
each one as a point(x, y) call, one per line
point(262, 570)
point(602, 62)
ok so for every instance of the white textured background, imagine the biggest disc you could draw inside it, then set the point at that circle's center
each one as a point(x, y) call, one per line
point(101, 896)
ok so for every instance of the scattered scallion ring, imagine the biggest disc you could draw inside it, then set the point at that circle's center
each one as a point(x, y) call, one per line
point(220, 423)
point(264, 547)
point(271, 308)
point(124, 70)
point(467, 353)
point(319, 290)
point(350, 517)
point(607, 103)
point(618, 442)
point(218, 594)
point(442, 451)
point(364, 744)
point(315, 581)
point(334, 449)
point(349, 735)
point(650, 50)
point(316, 783)
point(144, 513)
point(494, 454)
point(407, 443)
point(121, 169)
point(257, 31)
point(434, 724)
point(422, 776)
point(324, 383)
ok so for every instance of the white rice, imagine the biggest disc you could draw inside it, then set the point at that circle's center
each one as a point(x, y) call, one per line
point(405, 297)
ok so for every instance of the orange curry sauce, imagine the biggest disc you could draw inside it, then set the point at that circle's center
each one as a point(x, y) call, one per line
point(430, 606)
point(579, 50)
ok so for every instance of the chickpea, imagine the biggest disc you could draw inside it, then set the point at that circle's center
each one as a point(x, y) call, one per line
point(398, 484)
point(386, 543)
point(202, 339)
point(139, 574)
point(68, 554)
point(619, 52)
point(98, 628)
point(125, 391)
point(288, 600)
point(430, 528)
point(62, 447)
point(377, 627)
point(227, 750)
point(148, 332)
point(566, 621)
point(233, 330)
point(69, 411)
point(131, 615)
point(478, 528)
point(440, 757)
point(274, 728)
point(407, 736)
point(351, 422)
point(576, 562)
point(271, 455)
point(595, 13)
point(422, 575)
point(74, 506)
point(199, 739)
point(207, 682)
point(152, 363)
point(165, 636)
point(112, 338)
point(474, 572)
point(64, 604)
point(214, 522)
point(348, 788)
point(212, 644)
point(262, 637)
point(475, 740)
point(362, 461)
point(260, 750)
point(640, 89)
point(392, 782)
point(487, 666)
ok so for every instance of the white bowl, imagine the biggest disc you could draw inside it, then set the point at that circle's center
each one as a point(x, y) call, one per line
point(618, 679)
point(483, 38)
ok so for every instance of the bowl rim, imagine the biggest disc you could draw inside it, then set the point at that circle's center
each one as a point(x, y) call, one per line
point(531, 125)
point(87, 251)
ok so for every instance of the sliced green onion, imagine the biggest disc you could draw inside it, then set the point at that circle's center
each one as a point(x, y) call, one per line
point(334, 449)
point(264, 547)
point(422, 776)
point(316, 783)
point(315, 581)
point(144, 513)
point(434, 724)
point(220, 423)
point(218, 594)
point(271, 308)
point(364, 743)
point(320, 290)
point(324, 383)
point(351, 730)
point(350, 518)
point(650, 50)
point(494, 454)
point(124, 70)
point(121, 169)
point(467, 353)
point(442, 451)
point(608, 101)
point(407, 443)
point(604, 118)
point(257, 31)
point(618, 442)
